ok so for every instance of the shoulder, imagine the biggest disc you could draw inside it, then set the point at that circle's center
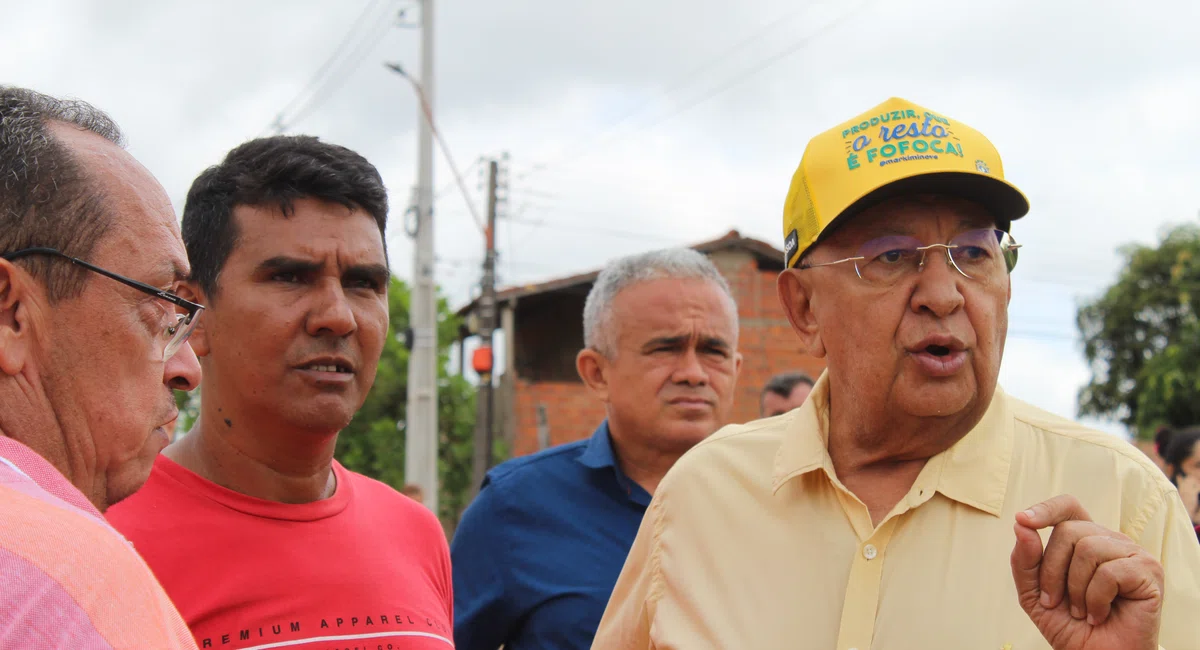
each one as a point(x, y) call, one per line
point(737, 454)
point(87, 573)
point(749, 446)
point(377, 495)
point(1085, 440)
point(156, 504)
point(69, 547)
point(512, 487)
point(518, 473)
point(1115, 481)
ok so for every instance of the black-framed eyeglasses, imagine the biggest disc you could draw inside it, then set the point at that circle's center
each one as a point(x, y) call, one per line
point(176, 326)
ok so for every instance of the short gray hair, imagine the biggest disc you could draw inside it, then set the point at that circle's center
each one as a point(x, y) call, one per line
point(620, 274)
point(46, 197)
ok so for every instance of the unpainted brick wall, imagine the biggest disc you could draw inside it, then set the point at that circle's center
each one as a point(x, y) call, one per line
point(766, 341)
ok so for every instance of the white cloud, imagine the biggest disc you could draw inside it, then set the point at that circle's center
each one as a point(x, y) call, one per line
point(1089, 103)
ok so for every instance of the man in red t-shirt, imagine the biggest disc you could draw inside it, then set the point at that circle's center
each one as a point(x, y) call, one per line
point(258, 535)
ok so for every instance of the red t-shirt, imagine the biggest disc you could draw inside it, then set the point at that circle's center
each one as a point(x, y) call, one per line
point(366, 569)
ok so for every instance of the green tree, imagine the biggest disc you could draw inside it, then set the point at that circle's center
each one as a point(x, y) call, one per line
point(1142, 337)
point(189, 410)
point(373, 443)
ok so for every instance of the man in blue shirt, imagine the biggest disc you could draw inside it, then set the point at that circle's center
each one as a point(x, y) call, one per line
point(537, 554)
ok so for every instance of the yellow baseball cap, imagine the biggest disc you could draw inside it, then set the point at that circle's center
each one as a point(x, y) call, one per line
point(894, 149)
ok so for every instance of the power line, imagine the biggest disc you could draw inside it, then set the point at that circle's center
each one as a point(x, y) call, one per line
point(454, 183)
point(722, 87)
point(330, 76)
point(337, 53)
point(437, 134)
point(335, 82)
point(682, 81)
point(611, 232)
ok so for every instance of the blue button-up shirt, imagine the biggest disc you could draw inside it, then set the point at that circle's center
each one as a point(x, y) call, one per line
point(537, 554)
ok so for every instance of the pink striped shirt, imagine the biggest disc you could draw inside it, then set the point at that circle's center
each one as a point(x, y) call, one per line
point(67, 578)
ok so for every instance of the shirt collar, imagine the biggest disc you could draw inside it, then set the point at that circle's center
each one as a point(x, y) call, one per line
point(977, 466)
point(34, 468)
point(974, 471)
point(804, 445)
point(598, 454)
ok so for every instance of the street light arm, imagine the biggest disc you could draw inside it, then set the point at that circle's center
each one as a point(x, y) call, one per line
point(437, 134)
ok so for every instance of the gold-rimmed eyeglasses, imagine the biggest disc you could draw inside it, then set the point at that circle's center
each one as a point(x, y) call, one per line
point(983, 255)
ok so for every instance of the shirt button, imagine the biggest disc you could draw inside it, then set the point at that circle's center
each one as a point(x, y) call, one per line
point(869, 552)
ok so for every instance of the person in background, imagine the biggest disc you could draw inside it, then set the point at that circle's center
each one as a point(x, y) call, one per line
point(256, 532)
point(784, 392)
point(414, 492)
point(1180, 451)
point(93, 338)
point(910, 502)
point(538, 551)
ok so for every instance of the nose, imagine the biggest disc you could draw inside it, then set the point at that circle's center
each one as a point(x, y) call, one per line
point(690, 371)
point(939, 284)
point(182, 371)
point(332, 315)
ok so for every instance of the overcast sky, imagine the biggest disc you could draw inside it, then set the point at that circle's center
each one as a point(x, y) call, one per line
point(633, 124)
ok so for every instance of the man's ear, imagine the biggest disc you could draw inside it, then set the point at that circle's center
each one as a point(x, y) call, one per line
point(20, 302)
point(190, 290)
point(593, 370)
point(796, 297)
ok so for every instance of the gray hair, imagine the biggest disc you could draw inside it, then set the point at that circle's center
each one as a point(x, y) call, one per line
point(46, 197)
point(620, 274)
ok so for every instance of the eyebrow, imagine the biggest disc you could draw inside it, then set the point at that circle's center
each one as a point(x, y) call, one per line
point(681, 340)
point(886, 229)
point(976, 222)
point(378, 273)
point(375, 272)
point(290, 264)
point(173, 270)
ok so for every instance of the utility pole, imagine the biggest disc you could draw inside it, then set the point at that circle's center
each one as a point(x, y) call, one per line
point(484, 359)
point(421, 435)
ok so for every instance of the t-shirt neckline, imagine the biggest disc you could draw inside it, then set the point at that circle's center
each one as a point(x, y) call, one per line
point(254, 506)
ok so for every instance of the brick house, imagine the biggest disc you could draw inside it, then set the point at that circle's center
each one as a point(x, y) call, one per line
point(541, 401)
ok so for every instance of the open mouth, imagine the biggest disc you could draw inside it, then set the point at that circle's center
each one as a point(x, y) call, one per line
point(327, 367)
point(937, 350)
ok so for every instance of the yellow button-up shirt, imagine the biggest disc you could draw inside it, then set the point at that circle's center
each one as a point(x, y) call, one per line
point(752, 543)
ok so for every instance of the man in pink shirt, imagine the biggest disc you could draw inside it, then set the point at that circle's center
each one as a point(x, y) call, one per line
point(92, 340)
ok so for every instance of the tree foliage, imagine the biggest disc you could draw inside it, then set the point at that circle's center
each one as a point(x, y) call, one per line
point(1142, 337)
point(373, 443)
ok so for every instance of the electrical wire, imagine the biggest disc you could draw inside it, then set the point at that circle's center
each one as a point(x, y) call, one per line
point(437, 135)
point(682, 81)
point(325, 81)
point(729, 83)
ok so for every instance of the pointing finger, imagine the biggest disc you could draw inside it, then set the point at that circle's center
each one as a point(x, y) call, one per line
point(1053, 511)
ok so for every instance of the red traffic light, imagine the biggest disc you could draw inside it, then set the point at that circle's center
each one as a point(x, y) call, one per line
point(481, 360)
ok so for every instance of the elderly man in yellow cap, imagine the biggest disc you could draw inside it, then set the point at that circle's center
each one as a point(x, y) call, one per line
point(909, 504)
